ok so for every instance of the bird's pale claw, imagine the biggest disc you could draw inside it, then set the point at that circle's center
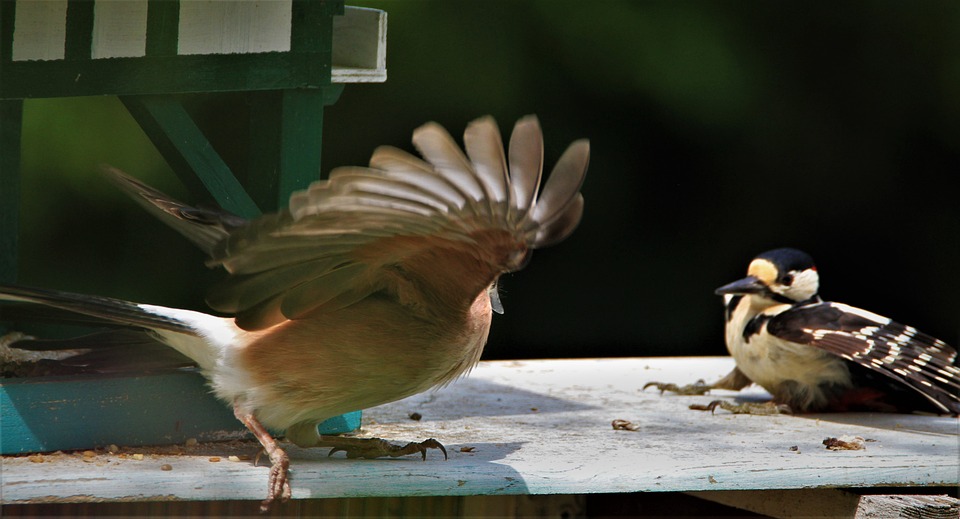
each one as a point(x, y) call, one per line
point(699, 387)
point(766, 408)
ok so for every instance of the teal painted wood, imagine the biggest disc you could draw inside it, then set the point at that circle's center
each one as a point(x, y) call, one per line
point(82, 412)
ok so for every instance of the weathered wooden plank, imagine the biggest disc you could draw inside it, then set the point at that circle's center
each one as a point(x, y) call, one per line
point(921, 507)
point(544, 427)
point(119, 29)
point(40, 29)
point(234, 27)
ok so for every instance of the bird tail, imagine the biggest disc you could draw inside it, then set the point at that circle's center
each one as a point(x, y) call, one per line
point(116, 311)
point(204, 227)
point(194, 334)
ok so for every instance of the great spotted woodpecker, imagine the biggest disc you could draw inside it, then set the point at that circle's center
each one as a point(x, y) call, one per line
point(813, 355)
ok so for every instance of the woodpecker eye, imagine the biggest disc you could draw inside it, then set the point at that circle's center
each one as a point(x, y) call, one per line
point(786, 280)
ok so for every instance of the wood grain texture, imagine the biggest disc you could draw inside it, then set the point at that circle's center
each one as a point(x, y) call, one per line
point(544, 427)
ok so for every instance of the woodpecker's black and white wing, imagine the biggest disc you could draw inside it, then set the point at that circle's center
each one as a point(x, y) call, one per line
point(901, 352)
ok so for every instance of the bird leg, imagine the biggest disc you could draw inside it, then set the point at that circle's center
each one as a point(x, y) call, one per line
point(279, 484)
point(699, 387)
point(306, 435)
point(370, 448)
point(734, 381)
point(765, 408)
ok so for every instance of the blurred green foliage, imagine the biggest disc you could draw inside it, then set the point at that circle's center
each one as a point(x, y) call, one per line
point(718, 130)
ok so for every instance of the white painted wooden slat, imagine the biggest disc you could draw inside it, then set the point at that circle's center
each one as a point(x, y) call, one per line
point(360, 46)
point(544, 427)
point(234, 26)
point(119, 29)
point(40, 30)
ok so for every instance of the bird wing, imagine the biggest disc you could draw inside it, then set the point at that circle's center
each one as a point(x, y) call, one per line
point(898, 351)
point(370, 230)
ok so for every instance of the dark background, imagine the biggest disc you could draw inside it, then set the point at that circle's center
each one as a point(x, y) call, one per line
point(718, 130)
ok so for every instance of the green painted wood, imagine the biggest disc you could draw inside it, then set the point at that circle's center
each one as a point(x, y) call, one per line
point(11, 121)
point(82, 412)
point(163, 26)
point(79, 29)
point(312, 26)
point(188, 151)
point(286, 133)
point(7, 16)
point(163, 75)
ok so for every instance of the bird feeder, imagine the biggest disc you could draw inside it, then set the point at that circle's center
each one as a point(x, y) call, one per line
point(291, 58)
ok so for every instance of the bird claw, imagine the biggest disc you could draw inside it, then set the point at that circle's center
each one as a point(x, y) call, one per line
point(369, 448)
point(764, 409)
point(699, 387)
point(279, 484)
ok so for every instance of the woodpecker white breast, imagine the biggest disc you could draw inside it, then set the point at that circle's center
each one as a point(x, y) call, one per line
point(815, 355)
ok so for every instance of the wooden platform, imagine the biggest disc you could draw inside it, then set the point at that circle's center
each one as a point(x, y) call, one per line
point(539, 427)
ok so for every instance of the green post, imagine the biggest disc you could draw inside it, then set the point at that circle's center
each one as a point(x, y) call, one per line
point(286, 133)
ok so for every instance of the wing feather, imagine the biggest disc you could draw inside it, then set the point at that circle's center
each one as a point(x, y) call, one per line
point(900, 352)
point(485, 149)
point(563, 185)
point(526, 163)
point(395, 227)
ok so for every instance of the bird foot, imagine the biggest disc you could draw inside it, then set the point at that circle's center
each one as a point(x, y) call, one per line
point(699, 387)
point(370, 448)
point(278, 486)
point(766, 408)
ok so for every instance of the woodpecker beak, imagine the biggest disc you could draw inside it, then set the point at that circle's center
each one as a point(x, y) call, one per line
point(747, 285)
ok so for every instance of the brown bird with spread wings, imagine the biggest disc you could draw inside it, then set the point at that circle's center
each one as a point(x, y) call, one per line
point(374, 285)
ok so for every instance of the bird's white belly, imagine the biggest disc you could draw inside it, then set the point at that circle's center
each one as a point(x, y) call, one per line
point(790, 371)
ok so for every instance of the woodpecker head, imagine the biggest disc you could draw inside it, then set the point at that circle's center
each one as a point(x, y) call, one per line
point(780, 275)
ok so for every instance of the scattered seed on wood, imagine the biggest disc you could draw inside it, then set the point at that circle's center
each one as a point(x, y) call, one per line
point(624, 425)
point(845, 443)
point(166, 466)
point(416, 416)
point(214, 459)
